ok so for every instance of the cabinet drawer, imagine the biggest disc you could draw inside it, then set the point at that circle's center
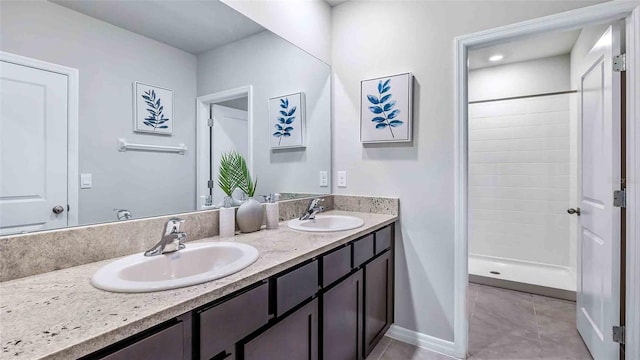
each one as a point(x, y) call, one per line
point(336, 265)
point(383, 239)
point(363, 250)
point(165, 344)
point(226, 323)
point(295, 287)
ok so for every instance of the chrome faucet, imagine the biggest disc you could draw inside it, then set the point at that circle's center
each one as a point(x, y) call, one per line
point(123, 214)
point(171, 240)
point(312, 209)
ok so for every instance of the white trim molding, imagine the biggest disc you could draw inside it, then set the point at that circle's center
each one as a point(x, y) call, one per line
point(600, 13)
point(203, 104)
point(632, 347)
point(423, 341)
point(73, 93)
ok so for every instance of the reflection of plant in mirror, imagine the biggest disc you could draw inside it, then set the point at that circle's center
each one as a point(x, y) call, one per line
point(234, 173)
point(284, 127)
point(381, 105)
point(156, 117)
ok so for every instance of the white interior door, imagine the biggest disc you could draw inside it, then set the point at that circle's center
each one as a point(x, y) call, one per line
point(33, 149)
point(598, 297)
point(230, 132)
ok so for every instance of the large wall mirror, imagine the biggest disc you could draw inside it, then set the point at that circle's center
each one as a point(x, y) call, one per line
point(116, 110)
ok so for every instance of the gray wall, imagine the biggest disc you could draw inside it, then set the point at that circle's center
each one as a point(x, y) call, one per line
point(275, 67)
point(109, 60)
point(419, 40)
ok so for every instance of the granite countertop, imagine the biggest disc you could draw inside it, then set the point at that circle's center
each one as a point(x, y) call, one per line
point(60, 315)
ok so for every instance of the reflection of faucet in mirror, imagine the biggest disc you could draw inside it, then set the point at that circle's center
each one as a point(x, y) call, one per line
point(171, 241)
point(312, 209)
point(123, 214)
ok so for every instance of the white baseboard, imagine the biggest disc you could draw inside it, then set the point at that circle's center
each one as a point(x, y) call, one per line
point(424, 341)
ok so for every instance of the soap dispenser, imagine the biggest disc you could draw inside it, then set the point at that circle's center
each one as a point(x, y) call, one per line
point(227, 220)
point(273, 212)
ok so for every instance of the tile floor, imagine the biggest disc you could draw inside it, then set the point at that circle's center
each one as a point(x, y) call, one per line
point(507, 325)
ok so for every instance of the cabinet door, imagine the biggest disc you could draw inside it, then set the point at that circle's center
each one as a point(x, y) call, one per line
point(342, 320)
point(294, 338)
point(378, 300)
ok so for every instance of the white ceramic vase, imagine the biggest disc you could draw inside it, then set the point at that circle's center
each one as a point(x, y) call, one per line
point(250, 216)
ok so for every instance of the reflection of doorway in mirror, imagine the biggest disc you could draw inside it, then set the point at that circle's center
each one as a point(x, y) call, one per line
point(230, 131)
point(38, 117)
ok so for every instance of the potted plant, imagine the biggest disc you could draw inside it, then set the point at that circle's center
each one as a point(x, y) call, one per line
point(234, 173)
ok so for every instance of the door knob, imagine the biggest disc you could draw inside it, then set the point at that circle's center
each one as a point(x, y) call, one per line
point(574, 211)
point(57, 209)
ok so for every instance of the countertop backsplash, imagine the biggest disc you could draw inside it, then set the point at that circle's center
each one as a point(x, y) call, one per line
point(36, 253)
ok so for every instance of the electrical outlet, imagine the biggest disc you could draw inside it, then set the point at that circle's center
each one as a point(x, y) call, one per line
point(342, 179)
point(324, 178)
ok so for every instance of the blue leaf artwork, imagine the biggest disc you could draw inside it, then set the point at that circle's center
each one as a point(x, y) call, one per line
point(155, 118)
point(286, 117)
point(383, 108)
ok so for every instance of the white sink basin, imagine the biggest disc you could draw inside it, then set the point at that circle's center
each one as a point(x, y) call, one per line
point(195, 264)
point(327, 223)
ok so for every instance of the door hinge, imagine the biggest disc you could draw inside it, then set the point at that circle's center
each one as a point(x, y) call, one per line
point(620, 63)
point(618, 334)
point(210, 122)
point(620, 198)
point(210, 184)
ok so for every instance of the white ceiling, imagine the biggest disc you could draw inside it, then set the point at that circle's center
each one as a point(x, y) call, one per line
point(541, 46)
point(190, 25)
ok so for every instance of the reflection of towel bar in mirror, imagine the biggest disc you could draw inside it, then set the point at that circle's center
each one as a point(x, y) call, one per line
point(123, 145)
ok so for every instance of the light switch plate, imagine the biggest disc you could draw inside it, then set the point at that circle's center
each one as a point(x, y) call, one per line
point(342, 179)
point(86, 181)
point(324, 178)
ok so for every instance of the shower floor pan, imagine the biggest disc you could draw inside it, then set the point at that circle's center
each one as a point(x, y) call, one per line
point(542, 279)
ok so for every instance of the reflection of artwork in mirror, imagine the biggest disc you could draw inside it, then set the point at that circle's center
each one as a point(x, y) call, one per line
point(153, 109)
point(286, 114)
point(386, 109)
point(192, 59)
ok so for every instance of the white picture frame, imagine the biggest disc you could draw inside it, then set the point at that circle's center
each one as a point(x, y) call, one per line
point(386, 109)
point(287, 127)
point(152, 119)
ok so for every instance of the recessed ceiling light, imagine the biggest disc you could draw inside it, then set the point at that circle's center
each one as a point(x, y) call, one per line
point(496, 58)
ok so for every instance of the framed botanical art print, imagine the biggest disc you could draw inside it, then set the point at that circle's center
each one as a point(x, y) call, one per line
point(153, 109)
point(286, 121)
point(386, 109)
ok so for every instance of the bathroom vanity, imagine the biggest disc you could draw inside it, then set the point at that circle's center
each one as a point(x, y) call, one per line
point(334, 306)
point(308, 296)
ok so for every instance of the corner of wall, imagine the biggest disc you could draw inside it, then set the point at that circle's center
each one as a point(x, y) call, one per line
point(307, 25)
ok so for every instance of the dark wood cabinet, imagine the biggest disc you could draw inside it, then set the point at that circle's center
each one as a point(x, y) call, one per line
point(378, 299)
point(293, 338)
point(342, 319)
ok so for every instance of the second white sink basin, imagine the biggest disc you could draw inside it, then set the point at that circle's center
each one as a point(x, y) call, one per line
point(327, 223)
point(195, 264)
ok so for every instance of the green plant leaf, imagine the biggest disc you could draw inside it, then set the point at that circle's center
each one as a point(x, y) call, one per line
point(234, 173)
